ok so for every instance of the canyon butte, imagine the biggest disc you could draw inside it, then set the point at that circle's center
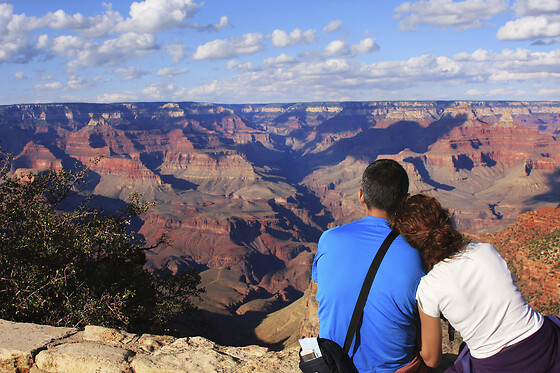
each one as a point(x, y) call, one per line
point(244, 191)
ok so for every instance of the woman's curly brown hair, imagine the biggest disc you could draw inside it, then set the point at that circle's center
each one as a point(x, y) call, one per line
point(427, 226)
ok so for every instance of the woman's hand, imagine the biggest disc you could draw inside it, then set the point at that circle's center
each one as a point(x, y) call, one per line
point(430, 339)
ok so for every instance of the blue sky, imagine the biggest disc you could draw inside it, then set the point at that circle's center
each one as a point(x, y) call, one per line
point(265, 51)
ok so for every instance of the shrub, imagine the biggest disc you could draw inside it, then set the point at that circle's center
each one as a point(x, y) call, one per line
point(546, 249)
point(78, 266)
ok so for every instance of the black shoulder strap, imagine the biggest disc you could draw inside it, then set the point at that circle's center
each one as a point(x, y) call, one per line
point(360, 304)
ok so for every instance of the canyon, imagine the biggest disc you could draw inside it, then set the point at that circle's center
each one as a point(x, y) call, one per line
point(244, 191)
point(530, 246)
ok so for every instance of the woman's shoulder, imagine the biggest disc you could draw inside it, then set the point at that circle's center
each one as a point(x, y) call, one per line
point(471, 251)
point(465, 262)
point(473, 260)
point(480, 246)
point(478, 249)
point(473, 248)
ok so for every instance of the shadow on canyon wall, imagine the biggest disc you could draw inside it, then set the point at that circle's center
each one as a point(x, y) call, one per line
point(425, 175)
point(351, 135)
point(228, 330)
point(369, 143)
point(553, 182)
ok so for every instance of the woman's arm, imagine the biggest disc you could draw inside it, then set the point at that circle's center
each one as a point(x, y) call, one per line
point(430, 339)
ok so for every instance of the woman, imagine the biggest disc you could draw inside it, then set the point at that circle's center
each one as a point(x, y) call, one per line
point(470, 285)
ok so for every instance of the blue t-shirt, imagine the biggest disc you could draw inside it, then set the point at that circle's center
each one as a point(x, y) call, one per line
point(387, 336)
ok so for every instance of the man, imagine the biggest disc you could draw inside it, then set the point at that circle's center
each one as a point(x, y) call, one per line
point(386, 338)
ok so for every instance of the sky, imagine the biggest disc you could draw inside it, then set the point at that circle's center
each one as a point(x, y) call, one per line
point(272, 51)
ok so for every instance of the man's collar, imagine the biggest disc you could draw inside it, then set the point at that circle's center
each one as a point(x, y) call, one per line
point(378, 213)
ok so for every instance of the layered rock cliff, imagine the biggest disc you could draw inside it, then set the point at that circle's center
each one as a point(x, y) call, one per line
point(246, 190)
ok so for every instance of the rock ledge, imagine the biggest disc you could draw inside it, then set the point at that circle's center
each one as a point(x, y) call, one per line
point(38, 348)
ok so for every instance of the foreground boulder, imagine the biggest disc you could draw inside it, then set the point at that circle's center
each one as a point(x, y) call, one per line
point(39, 348)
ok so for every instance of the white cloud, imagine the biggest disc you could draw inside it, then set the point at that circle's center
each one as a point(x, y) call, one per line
point(530, 27)
point(15, 45)
point(176, 51)
point(341, 78)
point(76, 82)
point(550, 92)
point(43, 41)
point(240, 66)
point(328, 67)
point(76, 35)
point(301, 81)
point(160, 91)
point(102, 25)
point(47, 86)
point(281, 38)
point(474, 92)
point(151, 16)
point(507, 76)
point(519, 65)
point(125, 96)
point(129, 73)
point(280, 60)
point(341, 48)
point(539, 19)
point(524, 61)
point(222, 49)
point(481, 55)
point(365, 46)
point(92, 27)
point(536, 7)
point(18, 75)
point(447, 13)
point(337, 48)
point(506, 92)
point(16, 41)
point(224, 22)
point(333, 26)
point(208, 90)
point(110, 40)
point(61, 20)
point(170, 72)
point(114, 51)
point(67, 45)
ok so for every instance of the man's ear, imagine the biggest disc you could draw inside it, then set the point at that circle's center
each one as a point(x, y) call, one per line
point(361, 197)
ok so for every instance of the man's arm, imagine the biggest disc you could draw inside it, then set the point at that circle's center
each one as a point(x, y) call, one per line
point(430, 339)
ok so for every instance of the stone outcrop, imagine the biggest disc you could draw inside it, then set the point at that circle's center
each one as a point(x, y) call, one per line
point(530, 247)
point(19, 343)
point(38, 348)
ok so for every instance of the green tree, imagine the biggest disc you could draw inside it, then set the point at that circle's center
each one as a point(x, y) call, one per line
point(79, 266)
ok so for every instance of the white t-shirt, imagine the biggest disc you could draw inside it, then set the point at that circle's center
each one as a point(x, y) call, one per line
point(476, 293)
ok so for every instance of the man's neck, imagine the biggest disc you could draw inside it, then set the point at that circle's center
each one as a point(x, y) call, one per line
point(378, 213)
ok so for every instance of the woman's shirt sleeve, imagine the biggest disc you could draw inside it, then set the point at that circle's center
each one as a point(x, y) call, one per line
point(427, 298)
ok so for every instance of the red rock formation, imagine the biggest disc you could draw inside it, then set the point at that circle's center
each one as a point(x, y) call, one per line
point(34, 158)
point(251, 187)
